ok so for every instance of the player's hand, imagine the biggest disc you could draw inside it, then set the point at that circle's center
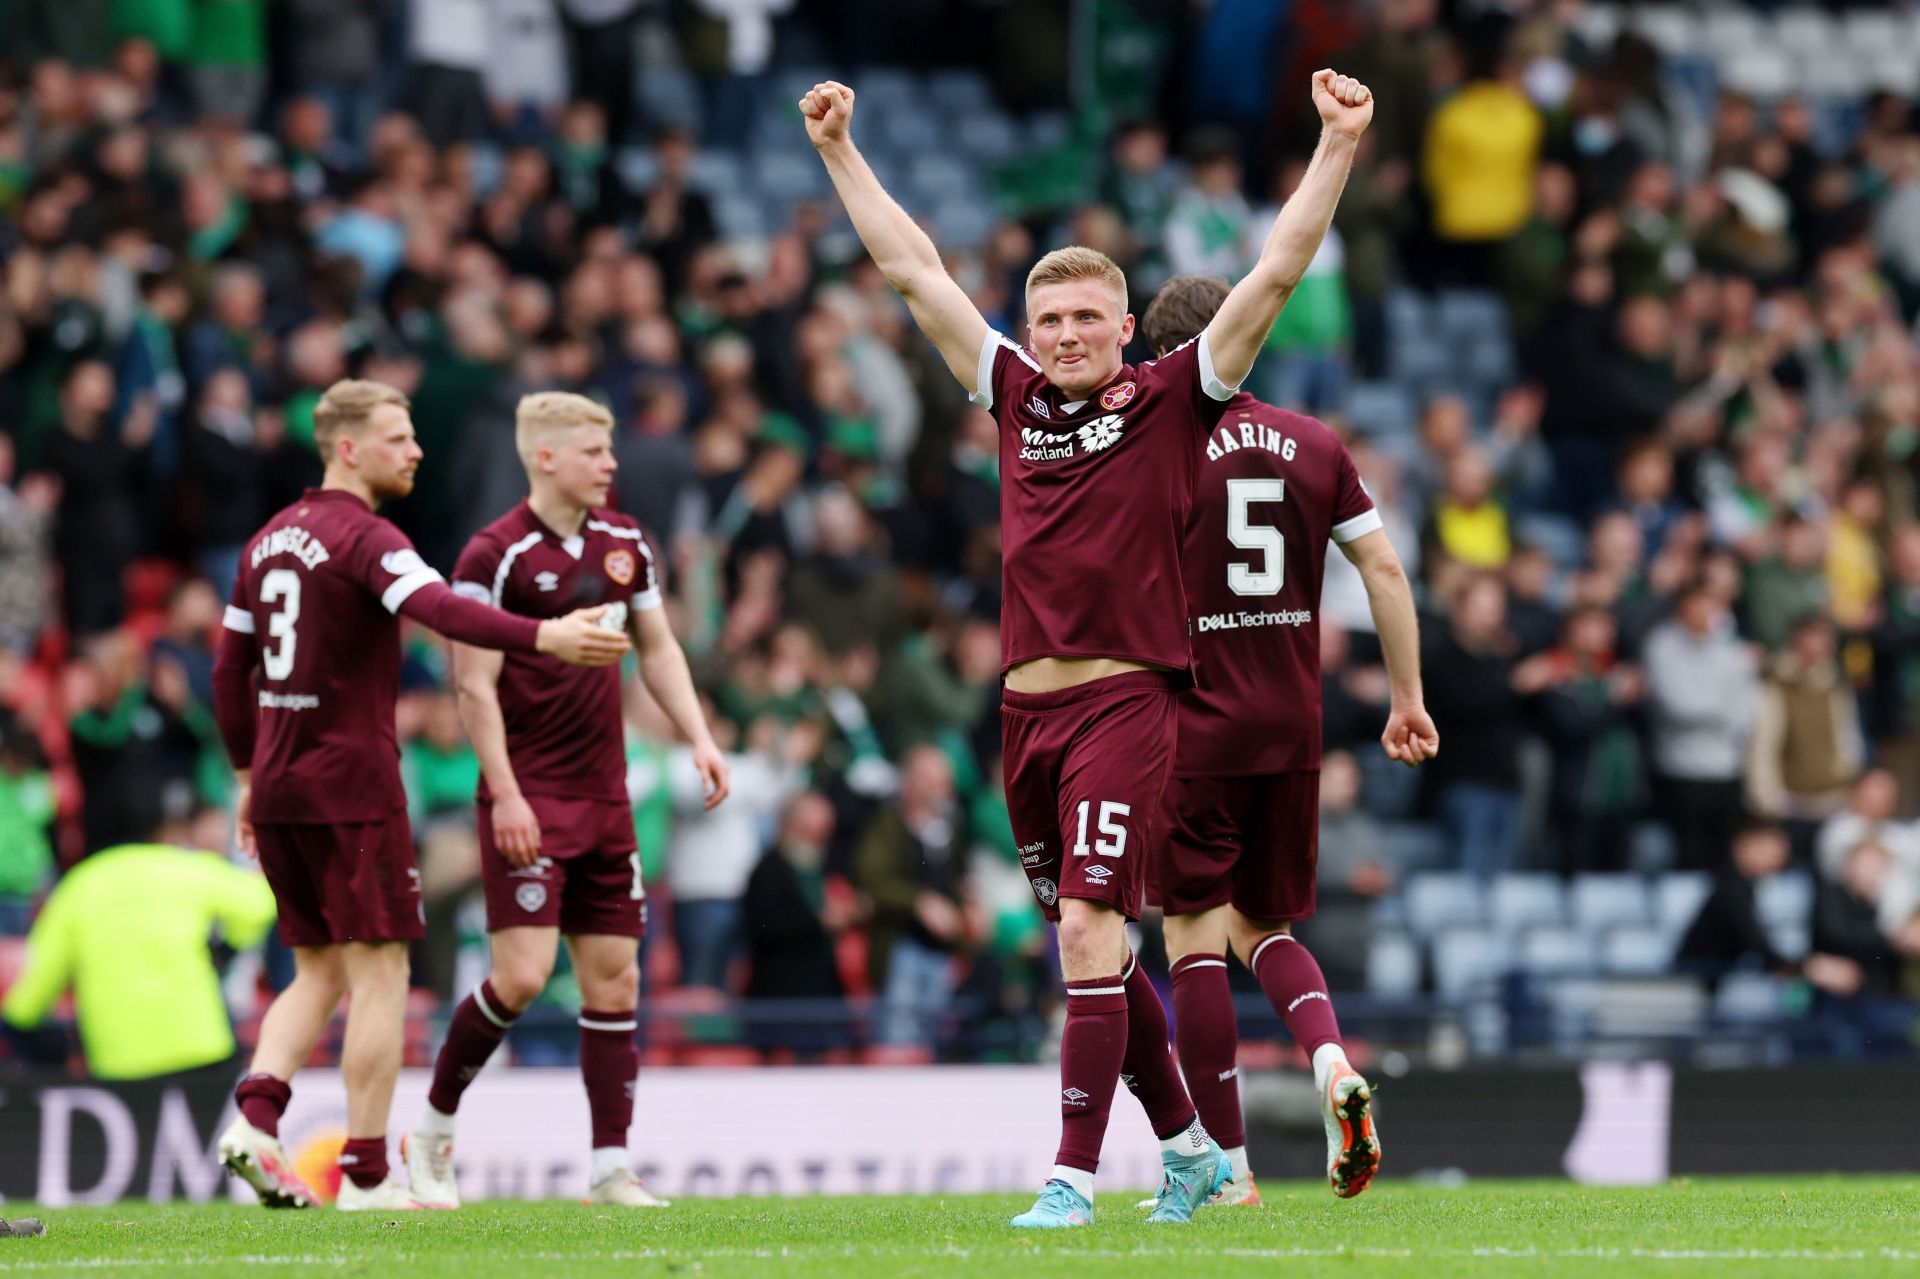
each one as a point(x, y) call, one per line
point(715, 777)
point(1411, 737)
point(579, 639)
point(243, 820)
point(1345, 105)
point(828, 108)
point(516, 831)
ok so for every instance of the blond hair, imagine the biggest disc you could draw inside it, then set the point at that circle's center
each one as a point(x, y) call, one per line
point(347, 407)
point(1077, 262)
point(544, 414)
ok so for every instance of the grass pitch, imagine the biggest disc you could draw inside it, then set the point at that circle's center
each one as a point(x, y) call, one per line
point(1820, 1228)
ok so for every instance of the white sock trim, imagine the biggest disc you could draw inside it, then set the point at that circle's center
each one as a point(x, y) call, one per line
point(1192, 964)
point(1079, 1178)
point(486, 1010)
point(608, 1160)
point(1261, 949)
point(1097, 990)
point(433, 1123)
point(586, 1024)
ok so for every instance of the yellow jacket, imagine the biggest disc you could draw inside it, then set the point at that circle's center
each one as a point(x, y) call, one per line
point(1481, 148)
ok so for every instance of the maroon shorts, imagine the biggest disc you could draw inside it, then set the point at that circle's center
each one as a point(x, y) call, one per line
point(1252, 842)
point(354, 881)
point(1085, 767)
point(587, 879)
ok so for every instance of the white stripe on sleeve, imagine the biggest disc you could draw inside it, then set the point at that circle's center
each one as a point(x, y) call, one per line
point(1359, 526)
point(403, 588)
point(238, 619)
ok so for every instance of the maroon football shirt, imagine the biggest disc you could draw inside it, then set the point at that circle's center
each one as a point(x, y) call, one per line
point(319, 589)
point(1274, 487)
point(564, 729)
point(1094, 499)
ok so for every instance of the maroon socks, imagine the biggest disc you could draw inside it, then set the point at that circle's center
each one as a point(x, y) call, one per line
point(1148, 1068)
point(364, 1161)
point(263, 1099)
point(609, 1064)
point(1209, 1043)
point(1092, 1048)
point(478, 1026)
point(1297, 991)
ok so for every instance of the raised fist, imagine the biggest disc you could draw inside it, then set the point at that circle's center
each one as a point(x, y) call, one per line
point(828, 108)
point(1345, 105)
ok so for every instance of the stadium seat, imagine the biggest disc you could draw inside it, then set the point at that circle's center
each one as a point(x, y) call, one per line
point(1560, 537)
point(1785, 899)
point(914, 131)
point(1597, 24)
point(1438, 900)
point(1601, 902)
point(963, 224)
point(787, 175)
point(1523, 900)
point(1678, 896)
point(717, 172)
point(1651, 848)
point(1748, 996)
point(1556, 951)
point(1794, 941)
point(1805, 32)
point(1411, 846)
point(1732, 32)
point(636, 168)
point(989, 137)
point(1764, 72)
point(1381, 409)
point(960, 92)
point(738, 217)
point(1669, 28)
point(1470, 315)
point(1393, 966)
point(1466, 961)
point(1636, 950)
point(943, 177)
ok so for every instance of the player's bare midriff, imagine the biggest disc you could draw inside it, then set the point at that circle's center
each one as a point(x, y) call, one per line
point(1051, 674)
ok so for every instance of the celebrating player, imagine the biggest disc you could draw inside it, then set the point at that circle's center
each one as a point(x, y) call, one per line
point(1242, 809)
point(315, 609)
point(1097, 460)
point(557, 853)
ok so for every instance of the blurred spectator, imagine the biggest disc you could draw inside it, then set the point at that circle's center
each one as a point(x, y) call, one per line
point(602, 38)
point(1807, 748)
point(1478, 161)
point(1467, 523)
point(26, 808)
point(186, 640)
point(1727, 933)
point(1869, 817)
point(1304, 364)
point(336, 61)
point(1353, 877)
point(1702, 699)
point(1788, 586)
point(845, 591)
point(27, 511)
point(1468, 667)
point(227, 59)
point(1849, 916)
point(792, 917)
point(712, 854)
point(674, 221)
point(1208, 225)
point(449, 44)
point(136, 733)
point(127, 932)
point(910, 868)
point(97, 524)
point(1588, 701)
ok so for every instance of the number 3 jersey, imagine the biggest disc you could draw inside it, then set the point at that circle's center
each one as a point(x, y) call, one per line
point(565, 735)
point(1273, 488)
point(1094, 498)
point(320, 589)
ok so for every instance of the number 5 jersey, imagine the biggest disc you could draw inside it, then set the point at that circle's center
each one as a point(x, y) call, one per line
point(1273, 487)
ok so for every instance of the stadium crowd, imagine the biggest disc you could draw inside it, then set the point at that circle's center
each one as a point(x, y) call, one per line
point(1630, 372)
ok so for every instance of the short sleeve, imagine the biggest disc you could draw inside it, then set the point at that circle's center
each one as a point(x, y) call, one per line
point(239, 614)
point(476, 572)
point(385, 562)
point(1002, 361)
point(1354, 515)
point(648, 586)
point(1188, 370)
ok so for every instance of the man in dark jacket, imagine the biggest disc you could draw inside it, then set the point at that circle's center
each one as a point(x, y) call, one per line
point(791, 919)
point(911, 865)
point(1469, 678)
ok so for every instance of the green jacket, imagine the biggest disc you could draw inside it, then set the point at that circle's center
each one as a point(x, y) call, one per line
point(26, 806)
point(127, 930)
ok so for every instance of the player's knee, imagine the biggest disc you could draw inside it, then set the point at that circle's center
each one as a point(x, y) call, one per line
point(519, 983)
point(1247, 933)
point(1092, 938)
point(618, 989)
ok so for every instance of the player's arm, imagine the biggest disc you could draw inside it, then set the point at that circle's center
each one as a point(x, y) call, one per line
point(1410, 736)
point(663, 668)
point(576, 639)
point(1239, 329)
point(903, 252)
point(476, 682)
point(49, 965)
point(236, 712)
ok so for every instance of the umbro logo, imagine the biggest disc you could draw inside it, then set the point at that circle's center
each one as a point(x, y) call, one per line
point(1099, 873)
point(547, 581)
point(1074, 1097)
point(1038, 407)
